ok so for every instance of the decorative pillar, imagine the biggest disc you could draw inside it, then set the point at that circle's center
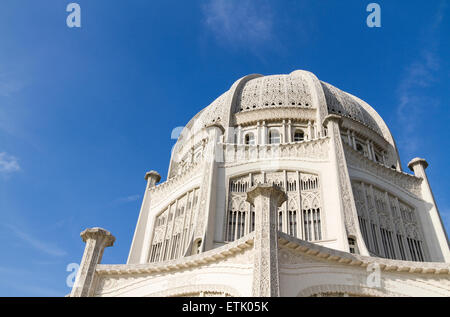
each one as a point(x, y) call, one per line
point(353, 140)
point(347, 206)
point(96, 239)
point(266, 200)
point(239, 137)
point(152, 179)
point(208, 191)
point(369, 151)
point(258, 133)
point(264, 133)
point(310, 131)
point(289, 133)
point(348, 138)
point(142, 229)
point(438, 244)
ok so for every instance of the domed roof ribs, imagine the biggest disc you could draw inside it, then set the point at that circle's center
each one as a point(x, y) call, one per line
point(232, 102)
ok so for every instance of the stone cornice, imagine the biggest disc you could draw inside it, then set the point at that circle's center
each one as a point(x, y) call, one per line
point(365, 131)
point(161, 190)
point(215, 255)
point(311, 150)
point(331, 255)
point(285, 241)
point(275, 113)
point(407, 182)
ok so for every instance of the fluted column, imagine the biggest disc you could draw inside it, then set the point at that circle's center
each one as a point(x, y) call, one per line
point(96, 239)
point(266, 199)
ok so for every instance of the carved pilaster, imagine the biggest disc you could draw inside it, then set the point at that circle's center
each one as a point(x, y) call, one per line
point(96, 239)
point(207, 203)
point(347, 201)
point(266, 199)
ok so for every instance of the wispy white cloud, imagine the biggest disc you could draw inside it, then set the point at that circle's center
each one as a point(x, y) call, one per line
point(419, 75)
point(8, 163)
point(235, 23)
point(128, 199)
point(35, 243)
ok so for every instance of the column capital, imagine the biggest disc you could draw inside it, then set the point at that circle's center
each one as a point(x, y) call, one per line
point(98, 234)
point(417, 161)
point(152, 178)
point(267, 190)
point(96, 239)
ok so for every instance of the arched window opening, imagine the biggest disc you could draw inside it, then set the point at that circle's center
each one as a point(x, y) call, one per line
point(197, 247)
point(280, 220)
point(377, 157)
point(352, 245)
point(293, 223)
point(249, 139)
point(274, 137)
point(359, 148)
point(299, 136)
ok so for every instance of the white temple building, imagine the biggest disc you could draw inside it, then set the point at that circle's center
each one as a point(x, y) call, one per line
point(283, 186)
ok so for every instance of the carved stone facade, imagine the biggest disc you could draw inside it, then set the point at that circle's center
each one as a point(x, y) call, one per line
point(283, 186)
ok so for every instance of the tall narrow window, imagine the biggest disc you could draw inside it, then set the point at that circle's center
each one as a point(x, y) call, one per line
point(352, 245)
point(415, 249)
point(375, 240)
point(299, 136)
point(401, 247)
point(317, 228)
point(274, 137)
point(386, 238)
point(293, 223)
point(359, 148)
point(231, 225)
point(249, 139)
point(252, 216)
point(307, 224)
point(280, 220)
point(362, 224)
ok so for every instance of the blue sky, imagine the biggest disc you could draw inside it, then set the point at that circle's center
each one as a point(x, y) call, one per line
point(84, 113)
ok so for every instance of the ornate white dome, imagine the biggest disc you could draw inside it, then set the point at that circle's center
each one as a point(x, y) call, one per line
point(299, 92)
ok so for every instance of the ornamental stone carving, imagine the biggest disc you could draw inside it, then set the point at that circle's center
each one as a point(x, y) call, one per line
point(96, 239)
point(284, 185)
point(266, 199)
